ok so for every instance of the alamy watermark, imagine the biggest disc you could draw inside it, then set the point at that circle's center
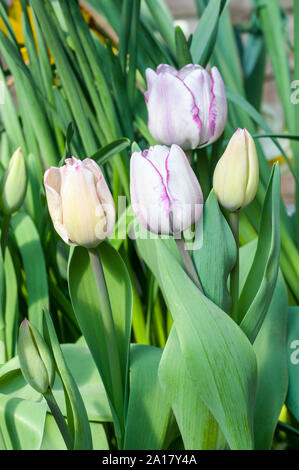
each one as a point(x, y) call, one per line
point(294, 358)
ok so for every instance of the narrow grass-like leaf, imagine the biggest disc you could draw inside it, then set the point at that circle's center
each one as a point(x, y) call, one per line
point(182, 48)
point(204, 37)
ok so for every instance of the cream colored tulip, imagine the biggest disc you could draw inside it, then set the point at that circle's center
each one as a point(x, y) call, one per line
point(236, 175)
point(80, 203)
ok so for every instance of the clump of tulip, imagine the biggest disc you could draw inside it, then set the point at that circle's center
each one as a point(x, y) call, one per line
point(236, 175)
point(165, 193)
point(80, 203)
point(186, 107)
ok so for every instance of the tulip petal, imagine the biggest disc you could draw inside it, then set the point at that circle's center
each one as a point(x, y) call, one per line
point(81, 207)
point(149, 196)
point(52, 182)
point(187, 69)
point(173, 113)
point(253, 177)
point(199, 81)
point(218, 106)
point(104, 195)
point(184, 190)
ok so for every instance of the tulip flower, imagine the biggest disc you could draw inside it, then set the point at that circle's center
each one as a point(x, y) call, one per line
point(80, 203)
point(165, 193)
point(186, 107)
point(14, 184)
point(36, 361)
point(236, 175)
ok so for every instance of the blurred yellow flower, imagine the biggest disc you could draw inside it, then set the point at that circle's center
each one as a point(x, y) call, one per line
point(15, 19)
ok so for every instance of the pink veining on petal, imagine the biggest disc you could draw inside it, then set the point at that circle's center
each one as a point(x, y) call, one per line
point(195, 109)
point(212, 113)
point(165, 197)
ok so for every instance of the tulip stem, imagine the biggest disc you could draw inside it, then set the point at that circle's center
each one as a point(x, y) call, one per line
point(59, 418)
point(188, 263)
point(111, 343)
point(4, 232)
point(234, 275)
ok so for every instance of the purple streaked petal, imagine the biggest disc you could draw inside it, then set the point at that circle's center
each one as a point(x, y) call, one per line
point(184, 190)
point(172, 113)
point(218, 106)
point(149, 197)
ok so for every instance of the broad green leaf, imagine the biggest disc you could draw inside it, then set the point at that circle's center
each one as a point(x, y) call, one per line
point(217, 256)
point(84, 372)
point(293, 361)
point(22, 423)
point(258, 289)
point(198, 427)
point(32, 254)
point(52, 439)
point(86, 306)
point(270, 347)
point(219, 357)
point(148, 411)
point(76, 411)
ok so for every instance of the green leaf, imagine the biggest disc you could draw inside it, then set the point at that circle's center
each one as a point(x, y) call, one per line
point(29, 244)
point(11, 307)
point(163, 22)
point(76, 412)
point(182, 48)
point(218, 356)
point(109, 150)
point(22, 423)
point(204, 37)
point(215, 260)
point(258, 289)
point(292, 401)
point(198, 427)
point(86, 306)
point(270, 348)
point(148, 411)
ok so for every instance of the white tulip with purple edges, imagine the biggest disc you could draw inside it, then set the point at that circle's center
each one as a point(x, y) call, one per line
point(186, 107)
point(80, 203)
point(165, 193)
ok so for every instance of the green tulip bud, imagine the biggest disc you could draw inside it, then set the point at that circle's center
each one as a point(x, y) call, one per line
point(36, 361)
point(236, 175)
point(14, 184)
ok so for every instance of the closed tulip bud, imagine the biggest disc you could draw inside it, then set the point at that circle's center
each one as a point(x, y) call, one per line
point(36, 361)
point(165, 193)
point(14, 184)
point(236, 175)
point(80, 203)
point(186, 107)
